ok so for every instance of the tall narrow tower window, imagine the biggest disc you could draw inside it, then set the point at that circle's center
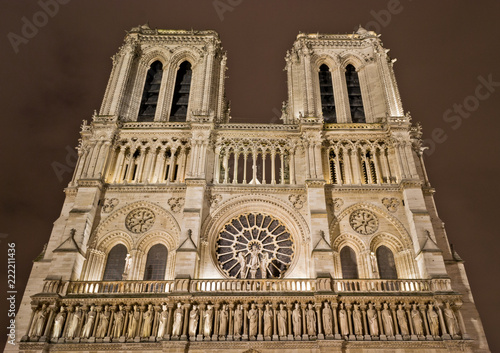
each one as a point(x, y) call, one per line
point(354, 93)
point(182, 88)
point(156, 263)
point(386, 264)
point(151, 91)
point(115, 263)
point(349, 263)
point(326, 92)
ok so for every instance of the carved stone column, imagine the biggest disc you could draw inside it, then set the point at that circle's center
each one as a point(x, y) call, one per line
point(186, 321)
point(199, 337)
point(395, 321)
point(444, 332)
point(231, 326)
point(244, 337)
point(215, 334)
point(302, 307)
point(320, 325)
point(260, 337)
point(48, 326)
point(421, 307)
point(275, 336)
point(170, 306)
point(335, 321)
point(383, 336)
point(352, 336)
point(461, 323)
point(289, 310)
point(367, 337)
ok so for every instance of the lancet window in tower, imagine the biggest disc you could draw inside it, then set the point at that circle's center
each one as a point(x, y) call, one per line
point(349, 263)
point(151, 92)
point(115, 263)
point(326, 92)
point(156, 263)
point(386, 263)
point(182, 88)
point(354, 93)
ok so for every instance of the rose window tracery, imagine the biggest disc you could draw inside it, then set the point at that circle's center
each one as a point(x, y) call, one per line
point(254, 245)
point(364, 222)
point(140, 220)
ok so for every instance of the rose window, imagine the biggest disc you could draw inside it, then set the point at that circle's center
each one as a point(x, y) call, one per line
point(254, 245)
point(364, 222)
point(140, 220)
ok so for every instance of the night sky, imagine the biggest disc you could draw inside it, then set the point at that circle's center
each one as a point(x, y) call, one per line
point(55, 75)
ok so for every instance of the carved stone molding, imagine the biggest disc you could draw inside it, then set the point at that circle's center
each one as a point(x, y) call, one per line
point(364, 222)
point(109, 204)
point(391, 203)
point(176, 204)
point(297, 200)
point(140, 220)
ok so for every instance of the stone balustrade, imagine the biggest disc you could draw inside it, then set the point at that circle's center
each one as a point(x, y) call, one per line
point(248, 285)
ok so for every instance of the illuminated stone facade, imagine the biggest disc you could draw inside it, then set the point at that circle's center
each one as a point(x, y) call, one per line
point(182, 231)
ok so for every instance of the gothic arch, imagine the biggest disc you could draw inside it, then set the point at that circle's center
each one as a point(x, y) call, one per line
point(155, 54)
point(146, 242)
point(387, 239)
point(256, 203)
point(328, 60)
point(347, 239)
point(164, 220)
point(108, 241)
point(352, 58)
point(404, 236)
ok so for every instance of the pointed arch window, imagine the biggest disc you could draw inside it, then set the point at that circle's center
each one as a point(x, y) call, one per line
point(156, 263)
point(115, 263)
point(151, 92)
point(326, 92)
point(182, 88)
point(354, 94)
point(386, 263)
point(349, 263)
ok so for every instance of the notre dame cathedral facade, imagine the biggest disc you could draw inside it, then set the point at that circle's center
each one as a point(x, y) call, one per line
point(184, 232)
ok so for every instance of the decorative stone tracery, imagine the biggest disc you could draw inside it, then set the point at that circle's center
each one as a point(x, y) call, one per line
point(254, 245)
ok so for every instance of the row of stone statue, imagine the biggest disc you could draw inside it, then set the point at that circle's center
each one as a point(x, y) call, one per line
point(291, 321)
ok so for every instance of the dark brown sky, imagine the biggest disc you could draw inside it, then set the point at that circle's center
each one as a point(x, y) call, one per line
point(58, 77)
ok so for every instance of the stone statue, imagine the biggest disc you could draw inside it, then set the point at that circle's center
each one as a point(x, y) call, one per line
point(327, 319)
point(282, 316)
point(403, 324)
point(311, 320)
point(238, 319)
point(417, 321)
point(128, 265)
point(372, 320)
point(207, 321)
point(147, 323)
point(387, 320)
point(268, 321)
point(59, 323)
point(451, 320)
point(39, 322)
point(223, 320)
point(433, 319)
point(297, 321)
point(344, 325)
point(253, 316)
point(162, 326)
point(194, 317)
point(104, 317)
point(243, 264)
point(254, 263)
point(357, 321)
point(118, 322)
point(87, 328)
point(177, 326)
point(75, 323)
point(133, 322)
point(264, 263)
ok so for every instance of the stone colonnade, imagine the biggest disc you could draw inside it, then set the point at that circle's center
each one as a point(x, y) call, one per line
point(284, 320)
